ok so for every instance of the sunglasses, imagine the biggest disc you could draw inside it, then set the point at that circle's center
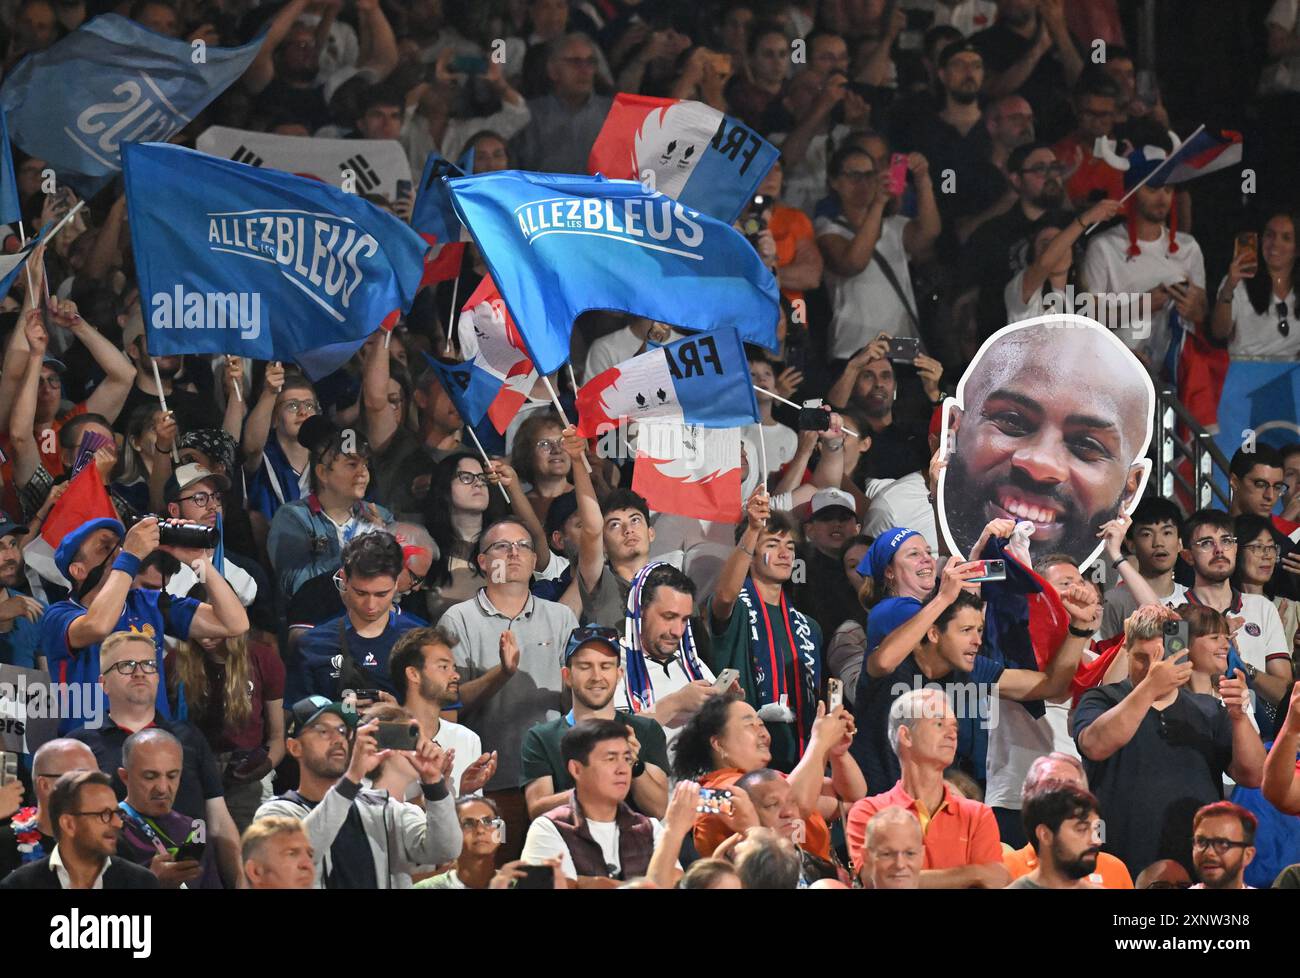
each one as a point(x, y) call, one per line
point(1283, 325)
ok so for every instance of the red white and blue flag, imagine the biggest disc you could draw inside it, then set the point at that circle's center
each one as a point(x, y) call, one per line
point(686, 150)
point(1203, 152)
point(434, 218)
point(689, 470)
point(701, 380)
point(491, 342)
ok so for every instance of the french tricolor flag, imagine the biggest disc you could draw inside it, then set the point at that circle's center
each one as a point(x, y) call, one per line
point(490, 341)
point(686, 150)
point(434, 219)
point(1203, 152)
point(689, 470)
point(701, 380)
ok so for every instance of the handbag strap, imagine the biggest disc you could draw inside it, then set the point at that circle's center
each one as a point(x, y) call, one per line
point(891, 277)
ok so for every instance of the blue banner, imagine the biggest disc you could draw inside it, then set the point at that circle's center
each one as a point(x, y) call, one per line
point(558, 245)
point(11, 210)
point(252, 262)
point(434, 216)
point(472, 389)
point(108, 83)
point(1260, 396)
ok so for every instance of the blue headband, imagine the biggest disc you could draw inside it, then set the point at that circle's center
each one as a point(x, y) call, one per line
point(883, 550)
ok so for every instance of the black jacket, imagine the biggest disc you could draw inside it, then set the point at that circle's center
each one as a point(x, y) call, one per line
point(121, 875)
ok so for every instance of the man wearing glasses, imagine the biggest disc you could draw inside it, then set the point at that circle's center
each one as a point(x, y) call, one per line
point(508, 656)
point(195, 495)
point(87, 824)
point(131, 680)
point(567, 120)
point(29, 835)
point(1211, 548)
point(1223, 845)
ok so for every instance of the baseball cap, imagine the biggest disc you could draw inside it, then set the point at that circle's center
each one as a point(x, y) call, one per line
point(876, 559)
point(307, 711)
point(67, 552)
point(832, 498)
point(956, 48)
point(189, 474)
point(55, 364)
point(8, 526)
point(607, 638)
point(562, 507)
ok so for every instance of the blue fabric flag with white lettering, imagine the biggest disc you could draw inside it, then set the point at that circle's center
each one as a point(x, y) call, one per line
point(108, 83)
point(241, 260)
point(558, 245)
point(471, 388)
point(11, 210)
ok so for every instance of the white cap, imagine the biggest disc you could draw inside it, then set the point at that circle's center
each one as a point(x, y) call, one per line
point(830, 498)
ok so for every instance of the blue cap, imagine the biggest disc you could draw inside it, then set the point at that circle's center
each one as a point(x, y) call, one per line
point(67, 552)
point(600, 635)
point(883, 550)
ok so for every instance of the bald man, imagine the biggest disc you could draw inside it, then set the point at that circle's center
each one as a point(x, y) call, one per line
point(53, 759)
point(1051, 424)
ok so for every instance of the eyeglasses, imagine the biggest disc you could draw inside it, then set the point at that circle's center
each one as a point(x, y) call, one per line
point(469, 478)
point(417, 580)
point(1209, 543)
point(489, 822)
point(1042, 169)
point(1263, 485)
point(588, 632)
point(502, 547)
point(127, 667)
point(328, 730)
point(106, 816)
point(1263, 549)
point(1283, 326)
point(552, 445)
point(1200, 843)
point(857, 176)
point(202, 499)
point(54, 381)
point(301, 407)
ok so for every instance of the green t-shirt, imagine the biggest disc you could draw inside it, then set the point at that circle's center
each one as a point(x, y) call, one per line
point(542, 757)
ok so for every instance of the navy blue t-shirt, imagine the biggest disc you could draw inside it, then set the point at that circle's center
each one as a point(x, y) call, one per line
point(318, 666)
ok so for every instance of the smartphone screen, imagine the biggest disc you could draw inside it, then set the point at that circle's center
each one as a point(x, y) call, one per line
point(897, 173)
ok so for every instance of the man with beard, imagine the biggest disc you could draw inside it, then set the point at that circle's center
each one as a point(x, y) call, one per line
point(1064, 828)
point(423, 670)
point(897, 442)
point(191, 410)
point(1148, 254)
point(1153, 541)
point(20, 633)
point(1050, 427)
point(991, 258)
point(1223, 845)
point(593, 675)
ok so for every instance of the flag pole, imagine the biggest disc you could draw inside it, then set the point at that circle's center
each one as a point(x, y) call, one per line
point(22, 243)
point(762, 454)
point(797, 407)
point(1142, 183)
point(486, 461)
point(162, 399)
point(573, 381)
point(555, 399)
point(451, 316)
point(239, 396)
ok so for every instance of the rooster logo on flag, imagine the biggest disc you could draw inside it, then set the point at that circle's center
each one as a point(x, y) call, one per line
point(490, 340)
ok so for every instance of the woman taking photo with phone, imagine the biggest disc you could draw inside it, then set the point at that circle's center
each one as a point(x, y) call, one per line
point(1255, 307)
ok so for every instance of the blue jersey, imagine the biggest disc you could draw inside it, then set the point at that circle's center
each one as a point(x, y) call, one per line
point(140, 613)
point(319, 666)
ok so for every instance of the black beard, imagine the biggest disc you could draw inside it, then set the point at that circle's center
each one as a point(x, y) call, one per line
point(1077, 869)
point(964, 500)
point(1048, 201)
point(964, 98)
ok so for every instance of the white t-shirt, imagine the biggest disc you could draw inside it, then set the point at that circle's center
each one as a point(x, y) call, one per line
point(780, 441)
point(1262, 637)
point(665, 679)
point(1257, 335)
point(1015, 742)
point(866, 305)
point(545, 842)
point(467, 745)
point(968, 16)
point(900, 502)
point(1120, 603)
point(1017, 308)
point(1283, 75)
point(805, 182)
point(614, 348)
point(1108, 269)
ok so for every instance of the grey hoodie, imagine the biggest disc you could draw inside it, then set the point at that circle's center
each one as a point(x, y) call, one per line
point(403, 838)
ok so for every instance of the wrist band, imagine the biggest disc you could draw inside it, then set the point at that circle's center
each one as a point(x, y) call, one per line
point(1119, 560)
point(1080, 632)
point(128, 563)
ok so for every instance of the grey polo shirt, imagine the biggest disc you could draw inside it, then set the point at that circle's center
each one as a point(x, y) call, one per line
point(607, 604)
point(532, 695)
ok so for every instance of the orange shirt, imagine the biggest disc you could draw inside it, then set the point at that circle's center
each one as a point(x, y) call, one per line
point(1091, 173)
point(960, 832)
point(1111, 873)
point(789, 226)
point(711, 831)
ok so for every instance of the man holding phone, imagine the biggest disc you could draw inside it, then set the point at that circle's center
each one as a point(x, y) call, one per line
point(1154, 752)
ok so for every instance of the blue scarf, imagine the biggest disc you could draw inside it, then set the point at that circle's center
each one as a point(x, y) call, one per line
point(640, 691)
point(771, 678)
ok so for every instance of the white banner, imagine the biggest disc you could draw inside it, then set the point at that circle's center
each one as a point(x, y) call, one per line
point(379, 165)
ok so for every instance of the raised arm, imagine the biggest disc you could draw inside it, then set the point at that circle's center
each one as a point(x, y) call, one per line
point(1115, 728)
point(258, 426)
point(847, 257)
point(736, 569)
point(1061, 245)
point(898, 644)
point(842, 390)
point(923, 230)
point(591, 538)
point(376, 38)
point(1281, 785)
point(119, 373)
point(262, 71)
point(22, 420)
point(1029, 684)
point(381, 420)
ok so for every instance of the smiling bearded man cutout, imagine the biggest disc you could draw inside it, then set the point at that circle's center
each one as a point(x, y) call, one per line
point(1051, 425)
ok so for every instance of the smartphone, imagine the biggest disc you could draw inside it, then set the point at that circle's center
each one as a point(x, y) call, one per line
point(1176, 638)
point(990, 570)
point(368, 694)
point(834, 694)
point(9, 765)
point(903, 349)
point(897, 173)
point(725, 679)
point(536, 878)
point(468, 64)
point(1246, 246)
point(190, 850)
point(714, 801)
point(405, 188)
point(813, 418)
point(398, 735)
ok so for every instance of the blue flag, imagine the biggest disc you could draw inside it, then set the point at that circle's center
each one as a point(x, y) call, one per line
point(472, 389)
point(11, 210)
point(111, 82)
point(558, 245)
point(241, 260)
point(434, 216)
point(11, 265)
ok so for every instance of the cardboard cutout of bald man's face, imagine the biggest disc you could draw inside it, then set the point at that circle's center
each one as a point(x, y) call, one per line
point(1051, 424)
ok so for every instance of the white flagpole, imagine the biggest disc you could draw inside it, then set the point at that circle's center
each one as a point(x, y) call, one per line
point(762, 455)
point(162, 399)
point(778, 397)
point(555, 399)
point(486, 461)
point(239, 396)
point(1142, 183)
point(451, 318)
point(22, 239)
point(572, 379)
